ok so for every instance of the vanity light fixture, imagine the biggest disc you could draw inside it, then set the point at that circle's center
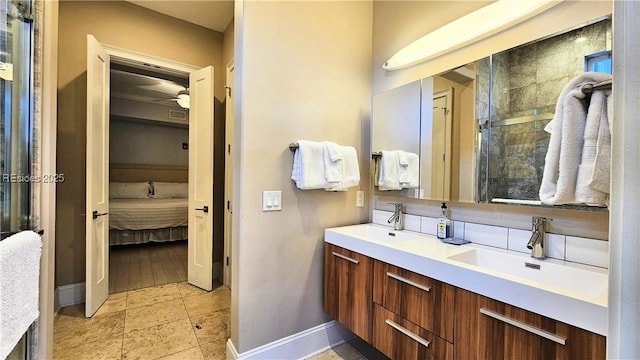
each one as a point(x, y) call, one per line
point(475, 26)
point(183, 99)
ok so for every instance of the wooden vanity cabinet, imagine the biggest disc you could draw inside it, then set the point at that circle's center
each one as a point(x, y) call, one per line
point(348, 284)
point(406, 315)
point(489, 329)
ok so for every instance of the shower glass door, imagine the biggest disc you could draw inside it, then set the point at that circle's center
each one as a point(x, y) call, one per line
point(16, 114)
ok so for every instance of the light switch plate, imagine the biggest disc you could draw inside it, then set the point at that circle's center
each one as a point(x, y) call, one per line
point(359, 198)
point(271, 200)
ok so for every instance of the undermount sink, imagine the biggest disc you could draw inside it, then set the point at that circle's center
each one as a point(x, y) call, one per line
point(589, 281)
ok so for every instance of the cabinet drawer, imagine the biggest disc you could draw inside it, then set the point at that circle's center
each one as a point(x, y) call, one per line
point(424, 301)
point(348, 289)
point(398, 338)
point(490, 329)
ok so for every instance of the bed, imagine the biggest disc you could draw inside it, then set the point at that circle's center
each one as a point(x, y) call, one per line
point(147, 211)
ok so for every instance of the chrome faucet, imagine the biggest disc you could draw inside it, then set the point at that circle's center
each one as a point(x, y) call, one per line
point(397, 216)
point(536, 242)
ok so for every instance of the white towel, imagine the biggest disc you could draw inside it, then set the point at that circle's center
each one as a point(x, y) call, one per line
point(389, 177)
point(333, 164)
point(19, 285)
point(565, 146)
point(308, 166)
point(350, 170)
point(601, 176)
point(596, 115)
point(408, 172)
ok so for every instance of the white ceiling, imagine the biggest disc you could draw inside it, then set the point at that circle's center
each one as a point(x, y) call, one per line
point(212, 14)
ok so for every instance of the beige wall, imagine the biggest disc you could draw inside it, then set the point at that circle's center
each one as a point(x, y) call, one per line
point(398, 23)
point(127, 26)
point(303, 71)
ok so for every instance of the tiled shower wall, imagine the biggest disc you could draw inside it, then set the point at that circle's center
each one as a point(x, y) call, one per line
point(527, 81)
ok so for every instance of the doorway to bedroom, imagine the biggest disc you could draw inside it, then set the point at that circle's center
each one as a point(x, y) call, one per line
point(201, 208)
point(148, 177)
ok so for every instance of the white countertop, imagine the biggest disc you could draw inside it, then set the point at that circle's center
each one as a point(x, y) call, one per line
point(428, 256)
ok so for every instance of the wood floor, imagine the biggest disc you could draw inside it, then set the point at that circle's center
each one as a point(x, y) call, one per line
point(139, 266)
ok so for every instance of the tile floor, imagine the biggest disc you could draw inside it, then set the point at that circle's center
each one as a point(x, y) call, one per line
point(172, 321)
point(355, 349)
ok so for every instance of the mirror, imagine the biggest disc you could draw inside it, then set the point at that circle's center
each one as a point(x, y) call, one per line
point(525, 85)
point(433, 117)
point(396, 126)
point(479, 128)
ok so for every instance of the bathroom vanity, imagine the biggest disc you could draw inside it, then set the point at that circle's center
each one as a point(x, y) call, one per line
point(413, 297)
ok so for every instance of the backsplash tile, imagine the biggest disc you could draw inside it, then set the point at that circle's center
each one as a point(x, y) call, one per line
point(486, 235)
point(557, 244)
point(429, 225)
point(570, 248)
point(587, 251)
point(518, 240)
point(412, 222)
point(380, 217)
point(458, 229)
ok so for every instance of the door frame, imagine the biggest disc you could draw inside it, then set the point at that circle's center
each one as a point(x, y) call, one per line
point(126, 56)
point(228, 173)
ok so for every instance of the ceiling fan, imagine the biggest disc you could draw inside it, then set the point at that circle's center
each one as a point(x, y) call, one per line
point(182, 98)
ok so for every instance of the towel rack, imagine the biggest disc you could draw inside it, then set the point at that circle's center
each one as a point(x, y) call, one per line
point(7, 234)
point(294, 146)
point(603, 85)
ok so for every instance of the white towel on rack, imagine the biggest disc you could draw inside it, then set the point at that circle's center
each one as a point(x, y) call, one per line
point(19, 286)
point(408, 172)
point(350, 169)
point(333, 162)
point(565, 146)
point(308, 166)
point(601, 176)
point(389, 175)
point(596, 116)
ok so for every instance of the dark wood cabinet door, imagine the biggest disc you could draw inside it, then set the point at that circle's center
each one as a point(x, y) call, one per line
point(348, 284)
point(424, 301)
point(489, 329)
point(401, 339)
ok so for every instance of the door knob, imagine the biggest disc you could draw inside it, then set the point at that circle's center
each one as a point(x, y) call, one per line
point(204, 209)
point(96, 214)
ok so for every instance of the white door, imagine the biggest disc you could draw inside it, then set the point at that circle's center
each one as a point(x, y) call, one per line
point(201, 93)
point(228, 177)
point(97, 207)
point(441, 154)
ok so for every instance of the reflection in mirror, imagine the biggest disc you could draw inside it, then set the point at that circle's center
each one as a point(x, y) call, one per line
point(525, 85)
point(450, 146)
point(433, 117)
point(396, 126)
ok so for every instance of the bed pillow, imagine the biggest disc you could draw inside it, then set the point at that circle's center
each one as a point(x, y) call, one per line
point(168, 190)
point(129, 190)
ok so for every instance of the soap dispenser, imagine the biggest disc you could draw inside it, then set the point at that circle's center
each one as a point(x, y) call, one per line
point(445, 225)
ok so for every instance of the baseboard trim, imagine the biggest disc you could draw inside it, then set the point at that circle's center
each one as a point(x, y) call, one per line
point(297, 346)
point(70, 295)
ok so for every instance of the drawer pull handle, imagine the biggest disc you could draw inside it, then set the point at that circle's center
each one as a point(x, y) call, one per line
point(415, 337)
point(534, 330)
point(345, 257)
point(409, 282)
